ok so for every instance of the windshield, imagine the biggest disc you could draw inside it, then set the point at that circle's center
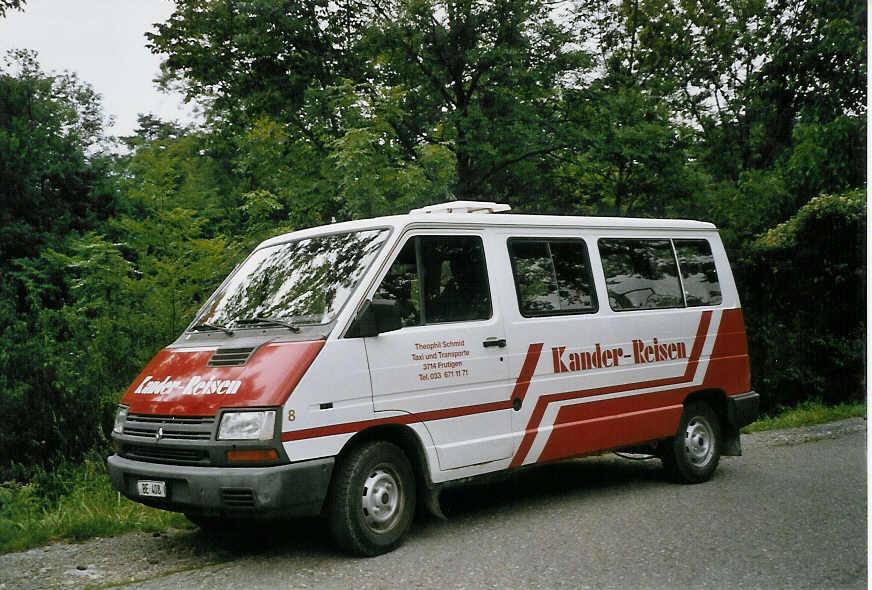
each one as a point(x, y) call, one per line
point(304, 282)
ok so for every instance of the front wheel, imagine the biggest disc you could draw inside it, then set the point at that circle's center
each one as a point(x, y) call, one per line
point(693, 454)
point(372, 499)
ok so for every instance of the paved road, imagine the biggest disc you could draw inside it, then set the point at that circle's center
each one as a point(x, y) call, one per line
point(783, 516)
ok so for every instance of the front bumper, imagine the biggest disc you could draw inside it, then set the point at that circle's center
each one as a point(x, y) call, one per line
point(296, 489)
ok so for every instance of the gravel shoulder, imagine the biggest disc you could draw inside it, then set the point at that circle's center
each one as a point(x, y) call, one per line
point(110, 562)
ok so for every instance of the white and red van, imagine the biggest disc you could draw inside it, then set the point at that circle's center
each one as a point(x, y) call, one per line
point(355, 369)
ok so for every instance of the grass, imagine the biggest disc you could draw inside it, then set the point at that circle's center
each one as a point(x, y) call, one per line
point(73, 503)
point(77, 502)
point(807, 413)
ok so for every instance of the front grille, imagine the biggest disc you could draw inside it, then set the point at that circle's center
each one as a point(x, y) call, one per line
point(238, 497)
point(157, 439)
point(148, 418)
point(230, 357)
point(168, 434)
point(165, 454)
point(169, 427)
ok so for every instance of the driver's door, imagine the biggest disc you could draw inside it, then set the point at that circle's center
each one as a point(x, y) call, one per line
point(446, 365)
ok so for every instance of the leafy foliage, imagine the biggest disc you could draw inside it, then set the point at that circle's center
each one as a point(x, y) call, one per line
point(51, 185)
point(805, 298)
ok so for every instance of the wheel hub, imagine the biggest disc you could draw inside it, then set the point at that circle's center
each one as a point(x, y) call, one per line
point(382, 499)
point(698, 441)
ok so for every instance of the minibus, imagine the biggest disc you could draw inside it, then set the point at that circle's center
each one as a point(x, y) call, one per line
point(354, 370)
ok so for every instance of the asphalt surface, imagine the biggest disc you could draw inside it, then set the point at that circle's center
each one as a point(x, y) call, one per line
point(791, 513)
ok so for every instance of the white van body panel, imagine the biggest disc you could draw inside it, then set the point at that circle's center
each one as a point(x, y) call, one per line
point(338, 378)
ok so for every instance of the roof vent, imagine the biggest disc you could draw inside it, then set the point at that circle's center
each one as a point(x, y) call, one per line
point(462, 207)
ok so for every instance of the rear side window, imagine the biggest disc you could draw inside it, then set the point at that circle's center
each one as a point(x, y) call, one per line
point(552, 277)
point(640, 273)
point(698, 273)
point(437, 279)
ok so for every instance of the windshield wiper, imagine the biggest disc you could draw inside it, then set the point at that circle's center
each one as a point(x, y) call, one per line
point(206, 326)
point(273, 321)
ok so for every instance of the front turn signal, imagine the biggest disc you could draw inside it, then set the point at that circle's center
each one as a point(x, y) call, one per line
point(253, 456)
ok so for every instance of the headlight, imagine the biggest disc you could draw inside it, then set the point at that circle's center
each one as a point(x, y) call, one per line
point(120, 417)
point(247, 425)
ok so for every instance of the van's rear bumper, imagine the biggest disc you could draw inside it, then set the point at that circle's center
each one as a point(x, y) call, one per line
point(297, 489)
point(743, 409)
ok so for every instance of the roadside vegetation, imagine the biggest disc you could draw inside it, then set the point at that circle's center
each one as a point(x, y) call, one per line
point(77, 502)
point(72, 502)
point(807, 413)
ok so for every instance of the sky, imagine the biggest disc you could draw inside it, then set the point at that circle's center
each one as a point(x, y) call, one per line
point(103, 42)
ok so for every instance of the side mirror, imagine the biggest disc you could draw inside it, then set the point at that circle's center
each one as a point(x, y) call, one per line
point(376, 317)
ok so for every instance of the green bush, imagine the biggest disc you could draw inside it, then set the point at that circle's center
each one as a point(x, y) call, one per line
point(805, 306)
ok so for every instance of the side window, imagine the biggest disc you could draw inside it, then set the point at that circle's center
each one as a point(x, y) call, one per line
point(552, 277)
point(640, 274)
point(401, 285)
point(437, 279)
point(698, 273)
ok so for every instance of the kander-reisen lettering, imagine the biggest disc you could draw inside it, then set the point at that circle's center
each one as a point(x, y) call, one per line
point(601, 358)
point(195, 386)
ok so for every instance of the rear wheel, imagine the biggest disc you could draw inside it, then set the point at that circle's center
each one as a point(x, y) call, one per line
point(693, 454)
point(372, 499)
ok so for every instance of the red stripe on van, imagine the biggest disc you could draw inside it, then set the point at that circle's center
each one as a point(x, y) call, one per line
point(729, 368)
point(543, 401)
point(519, 391)
point(530, 362)
point(350, 427)
point(620, 422)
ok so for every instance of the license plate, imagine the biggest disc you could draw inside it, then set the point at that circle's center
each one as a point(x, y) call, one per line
point(155, 489)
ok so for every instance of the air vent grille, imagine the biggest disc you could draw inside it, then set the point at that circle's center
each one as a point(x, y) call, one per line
point(238, 497)
point(165, 454)
point(230, 357)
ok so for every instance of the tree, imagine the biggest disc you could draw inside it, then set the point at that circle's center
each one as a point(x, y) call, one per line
point(52, 176)
point(485, 81)
point(255, 58)
point(54, 185)
point(633, 158)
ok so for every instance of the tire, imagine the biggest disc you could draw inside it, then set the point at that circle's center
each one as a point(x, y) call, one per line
point(693, 454)
point(372, 499)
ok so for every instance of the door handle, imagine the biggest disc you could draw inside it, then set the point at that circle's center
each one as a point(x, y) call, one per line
point(501, 342)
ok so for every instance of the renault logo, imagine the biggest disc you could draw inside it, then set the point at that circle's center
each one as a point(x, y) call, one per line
point(158, 435)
